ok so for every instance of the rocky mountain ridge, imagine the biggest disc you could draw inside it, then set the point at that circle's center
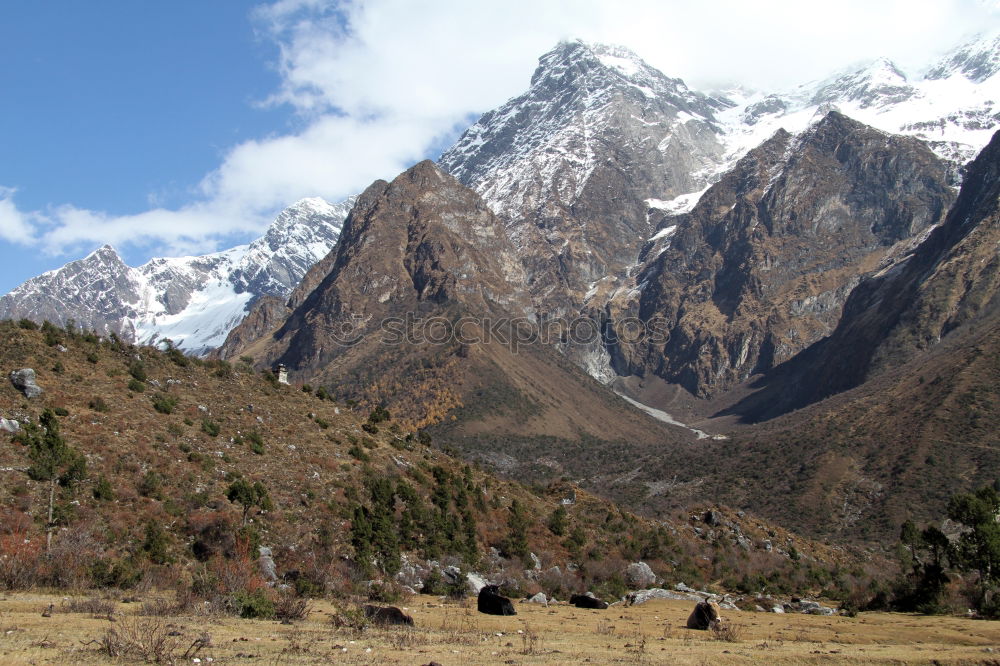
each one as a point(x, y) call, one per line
point(420, 308)
point(761, 266)
point(194, 301)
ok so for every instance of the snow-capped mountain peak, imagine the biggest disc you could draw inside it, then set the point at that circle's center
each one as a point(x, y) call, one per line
point(976, 60)
point(539, 149)
point(877, 84)
point(194, 301)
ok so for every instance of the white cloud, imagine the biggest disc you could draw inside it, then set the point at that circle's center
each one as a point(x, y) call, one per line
point(378, 83)
point(15, 226)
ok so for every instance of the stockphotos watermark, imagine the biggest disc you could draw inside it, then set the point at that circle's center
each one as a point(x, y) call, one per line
point(512, 332)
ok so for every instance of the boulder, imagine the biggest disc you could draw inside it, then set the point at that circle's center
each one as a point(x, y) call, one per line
point(642, 596)
point(638, 575)
point(475, 582)
point(411, 574)
point(539, 598)
point(9, 425)
point(24, 381)
point(266, 563)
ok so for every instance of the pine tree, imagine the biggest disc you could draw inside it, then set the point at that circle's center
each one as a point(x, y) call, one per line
point(249, 495)
point(52, 459)
point(516, 543)
point(979, 547)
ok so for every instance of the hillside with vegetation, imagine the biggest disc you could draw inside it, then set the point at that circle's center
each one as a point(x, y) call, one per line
point(167, 471)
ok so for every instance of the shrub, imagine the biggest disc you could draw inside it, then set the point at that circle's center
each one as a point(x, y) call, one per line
point(210, 428)
point(61, 411)
point(122, 574)
point(178, 357)
point(150, 485)
point(378, 415)
point(256, 442)
point(138, 371)
point(255, 604)
point(103, 490)
point(164, 403)
point(290, 607)
point(385, 593)
point(557, 521)
point(370, 428)
point(20, 559)
point(98, 404)
point(92, 357)
point(136, 385)
point(358, 453)
point(53, 335)
point(28, 325)
point(155, 544)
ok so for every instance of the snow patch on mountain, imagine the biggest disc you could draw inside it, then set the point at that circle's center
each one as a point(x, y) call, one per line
point(535, 154)
point(954, 106)
point(194, 301)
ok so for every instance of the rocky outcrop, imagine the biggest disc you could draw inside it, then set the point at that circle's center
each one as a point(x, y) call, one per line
point(762, 265)
point(24, 381)
point(949, 282)
point(639, 575)
point(421, 242)
point(572, 164)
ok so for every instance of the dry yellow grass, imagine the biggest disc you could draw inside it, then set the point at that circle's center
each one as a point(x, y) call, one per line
point(450, 633)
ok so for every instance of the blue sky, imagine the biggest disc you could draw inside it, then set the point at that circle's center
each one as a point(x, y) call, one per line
point(184, 126)
point(112, 105)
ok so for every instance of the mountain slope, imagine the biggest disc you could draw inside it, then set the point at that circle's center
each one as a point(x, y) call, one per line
point(762, 265)
point(195, 301)
point(166, 456)
point(421, 310)
point(897, 409)
point(570, 164)
point(949, 281)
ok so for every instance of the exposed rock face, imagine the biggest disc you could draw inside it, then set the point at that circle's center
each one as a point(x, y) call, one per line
point(266, 564)
point(570, 163)
point(418, 257)
point(638, 575)
point(24, 381)
point(762, 265)
point(195, 301)
point(881, 83)
point(950, 280)
point(422, 241)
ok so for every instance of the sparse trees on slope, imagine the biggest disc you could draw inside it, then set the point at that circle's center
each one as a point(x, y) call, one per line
point(249, 495)
point(53, 460)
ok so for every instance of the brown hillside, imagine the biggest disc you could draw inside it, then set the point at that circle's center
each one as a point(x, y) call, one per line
point(170, 470)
